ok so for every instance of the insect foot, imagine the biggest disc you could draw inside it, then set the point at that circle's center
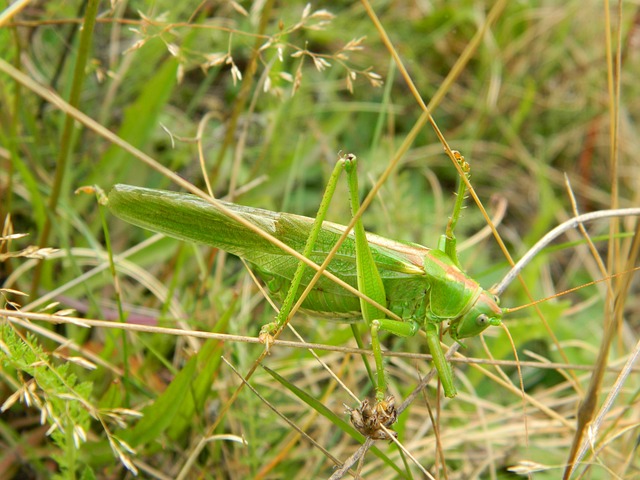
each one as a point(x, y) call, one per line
point(369, 419)
point(266, 335)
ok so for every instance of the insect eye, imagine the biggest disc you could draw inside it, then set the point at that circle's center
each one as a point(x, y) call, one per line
point(482, 319)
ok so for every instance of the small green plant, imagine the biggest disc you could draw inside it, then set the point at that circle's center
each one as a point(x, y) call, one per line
point(45, 382)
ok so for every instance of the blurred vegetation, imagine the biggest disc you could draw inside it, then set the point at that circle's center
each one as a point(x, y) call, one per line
point(271, 92)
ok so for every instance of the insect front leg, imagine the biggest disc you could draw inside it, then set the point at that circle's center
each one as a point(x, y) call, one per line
point(447, 242)
point(439, 360)
point(432, 329)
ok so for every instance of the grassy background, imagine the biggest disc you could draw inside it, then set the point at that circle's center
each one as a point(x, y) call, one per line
point(532, 103)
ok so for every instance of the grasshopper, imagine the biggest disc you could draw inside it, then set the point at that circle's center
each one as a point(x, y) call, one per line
point(411, 286)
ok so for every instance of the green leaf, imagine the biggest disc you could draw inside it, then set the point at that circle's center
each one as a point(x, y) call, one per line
point(159, 416)
point(208, 362)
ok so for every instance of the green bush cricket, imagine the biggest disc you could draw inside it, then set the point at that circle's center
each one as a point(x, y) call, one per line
point(419, 287)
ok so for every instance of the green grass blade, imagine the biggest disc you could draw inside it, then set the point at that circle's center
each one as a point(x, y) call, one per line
point(159, 416)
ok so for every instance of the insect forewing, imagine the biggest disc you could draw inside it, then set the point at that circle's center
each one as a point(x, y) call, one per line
point(193, 219)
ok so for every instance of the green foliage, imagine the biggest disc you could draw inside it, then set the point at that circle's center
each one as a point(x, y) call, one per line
point(54, 391)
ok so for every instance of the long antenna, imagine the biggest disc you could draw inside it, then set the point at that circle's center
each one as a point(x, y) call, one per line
point(553, 234)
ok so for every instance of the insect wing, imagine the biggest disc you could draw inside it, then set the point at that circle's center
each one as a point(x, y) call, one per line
point(187, 217)
point(190, 218)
